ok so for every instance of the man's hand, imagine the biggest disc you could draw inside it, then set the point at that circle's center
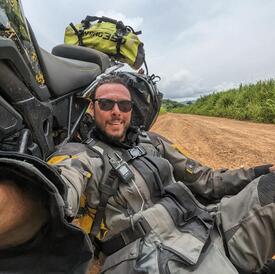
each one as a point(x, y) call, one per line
point(21, 216)
point(272, 169)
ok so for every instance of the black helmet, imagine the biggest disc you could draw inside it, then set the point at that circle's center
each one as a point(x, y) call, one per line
point(146, 96)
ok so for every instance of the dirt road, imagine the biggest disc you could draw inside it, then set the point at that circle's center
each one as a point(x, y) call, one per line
point(219, 142)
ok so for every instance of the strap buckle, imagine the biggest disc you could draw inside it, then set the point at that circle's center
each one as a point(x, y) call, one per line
point(139, 230)
point(125, 237)
point(136, 152)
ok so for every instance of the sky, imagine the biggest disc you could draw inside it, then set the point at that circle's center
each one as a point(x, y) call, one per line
point(195, 46)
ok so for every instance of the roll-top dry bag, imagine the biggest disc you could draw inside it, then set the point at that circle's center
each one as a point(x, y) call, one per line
point(109, 36)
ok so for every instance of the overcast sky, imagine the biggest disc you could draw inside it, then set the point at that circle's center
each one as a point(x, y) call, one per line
point(196, 46)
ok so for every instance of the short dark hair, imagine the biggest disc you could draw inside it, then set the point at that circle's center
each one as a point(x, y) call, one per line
point(113, 78)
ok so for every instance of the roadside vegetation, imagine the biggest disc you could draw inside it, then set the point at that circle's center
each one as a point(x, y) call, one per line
point(255, 102)
point(171, 105)
point(162, 110)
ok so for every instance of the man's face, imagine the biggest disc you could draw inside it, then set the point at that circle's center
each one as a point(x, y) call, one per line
point(114, 123)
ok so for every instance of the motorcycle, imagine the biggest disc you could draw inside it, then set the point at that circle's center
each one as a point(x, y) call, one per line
point(41, 95)
point(44, 96)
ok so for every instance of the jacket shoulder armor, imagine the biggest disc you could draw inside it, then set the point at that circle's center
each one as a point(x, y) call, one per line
point(155, 138)
point(73, 149)
point(150, 141)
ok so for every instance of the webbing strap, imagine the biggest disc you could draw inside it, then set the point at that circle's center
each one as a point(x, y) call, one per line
point(133, 153)
point(118, 45)
point(107, 190)
point(78, 33)
point(119, 24)
point(102, 19)
point(109, 181)
point(156, 174)
point(125, 237)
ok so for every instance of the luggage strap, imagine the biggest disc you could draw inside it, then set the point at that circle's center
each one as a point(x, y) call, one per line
point(139, 230)
point(78, 33)
point(121, 29)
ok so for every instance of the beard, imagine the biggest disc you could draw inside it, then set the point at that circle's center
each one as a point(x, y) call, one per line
point(112, 138)
point(116, 138)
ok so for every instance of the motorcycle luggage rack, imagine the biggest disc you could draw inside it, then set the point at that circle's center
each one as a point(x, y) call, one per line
point(71, 129)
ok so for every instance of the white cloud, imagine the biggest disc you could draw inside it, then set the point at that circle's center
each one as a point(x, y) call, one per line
point(225, 86)
point(222, 51)
point(181, 84)
point(195, 46)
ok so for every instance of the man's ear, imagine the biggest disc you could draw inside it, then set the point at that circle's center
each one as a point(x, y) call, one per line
point(91, 110)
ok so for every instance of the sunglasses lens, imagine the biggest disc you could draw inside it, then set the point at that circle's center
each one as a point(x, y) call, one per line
point(108, 104)
point(125, 106)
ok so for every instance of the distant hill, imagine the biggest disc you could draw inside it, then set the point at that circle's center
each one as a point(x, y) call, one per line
point(254, 102)
point(169, 105)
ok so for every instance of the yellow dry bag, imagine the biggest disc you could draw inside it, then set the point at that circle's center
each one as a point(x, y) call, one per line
point(109, 36)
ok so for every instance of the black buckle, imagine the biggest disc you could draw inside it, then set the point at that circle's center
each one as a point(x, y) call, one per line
point(140, 229)
point(136, 152)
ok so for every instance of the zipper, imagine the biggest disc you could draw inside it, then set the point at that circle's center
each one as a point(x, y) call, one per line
point(185, 259)
point(161, 247)
point(159, 251)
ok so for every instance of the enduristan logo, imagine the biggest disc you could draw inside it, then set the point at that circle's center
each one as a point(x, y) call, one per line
point(104, 35)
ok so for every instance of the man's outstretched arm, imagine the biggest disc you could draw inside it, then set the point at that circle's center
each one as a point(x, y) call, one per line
point(203, 180)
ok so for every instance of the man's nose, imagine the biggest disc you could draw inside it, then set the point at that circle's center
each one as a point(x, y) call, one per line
point(116, 109)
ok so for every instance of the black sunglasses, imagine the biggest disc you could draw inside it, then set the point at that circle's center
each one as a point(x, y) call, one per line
point(108, 104)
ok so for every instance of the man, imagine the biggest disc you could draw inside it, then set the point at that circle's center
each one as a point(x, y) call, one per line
point(134, 191)
point(143, 220)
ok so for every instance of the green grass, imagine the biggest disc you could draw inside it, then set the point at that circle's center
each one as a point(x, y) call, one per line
point(162, 110)
point(255, 102)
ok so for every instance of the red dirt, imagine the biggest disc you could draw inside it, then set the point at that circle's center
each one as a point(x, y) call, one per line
point(220, 142)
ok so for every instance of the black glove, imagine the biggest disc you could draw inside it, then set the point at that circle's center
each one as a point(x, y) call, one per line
point(268, 268)
point(261, 170)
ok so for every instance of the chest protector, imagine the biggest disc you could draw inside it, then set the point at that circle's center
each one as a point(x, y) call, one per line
point(187, 214)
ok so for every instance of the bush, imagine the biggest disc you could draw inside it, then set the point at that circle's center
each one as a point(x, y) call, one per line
point(254, 102)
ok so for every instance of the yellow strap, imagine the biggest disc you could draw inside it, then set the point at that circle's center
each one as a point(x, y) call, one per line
point(86, 221)
point(57, 159)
